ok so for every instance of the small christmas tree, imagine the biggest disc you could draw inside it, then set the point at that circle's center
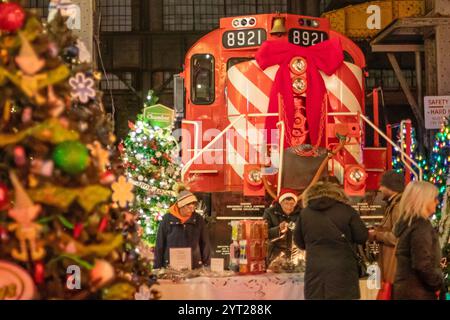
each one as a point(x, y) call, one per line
point(149, 155)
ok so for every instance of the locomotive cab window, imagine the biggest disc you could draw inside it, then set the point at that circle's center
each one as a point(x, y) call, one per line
point(202, 79)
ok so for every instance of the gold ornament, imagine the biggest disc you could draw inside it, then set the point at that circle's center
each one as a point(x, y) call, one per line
point(299, 85)
point(122, 192)
point(298, 65)
point(101, 155)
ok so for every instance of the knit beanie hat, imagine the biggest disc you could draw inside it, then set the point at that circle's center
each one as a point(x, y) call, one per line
point(185, 197)
point(393, 180)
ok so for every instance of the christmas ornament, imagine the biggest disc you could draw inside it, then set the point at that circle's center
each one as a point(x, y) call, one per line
point(26, 230)
point(102, 273)
point(30, 64)
point(4, 197)
point(12, 17)
point(77, 230)
point(4, 234)
point(71, 52)
point(27, 114)
point(7, 111)
point(19, 156)
point(71, 156)
point(15, 283)
point(122, 192)
point(119, 291)
point(39, 273)
point(103, 224)
point(53, 49)
point(57, 105)
point(101, 155)
point(298, 65)
point(42, 167)
point(82, 87)
point(107, 177)
point(144, 293)
point(84, 55)
point(32, 181)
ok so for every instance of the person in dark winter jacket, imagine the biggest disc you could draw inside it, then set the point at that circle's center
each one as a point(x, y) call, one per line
point(281, 217)
point(391, 186)
point(182, 227)
point(418, 275)
point(331, 265)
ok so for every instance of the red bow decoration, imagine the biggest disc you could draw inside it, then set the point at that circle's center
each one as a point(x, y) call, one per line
point(326, 56)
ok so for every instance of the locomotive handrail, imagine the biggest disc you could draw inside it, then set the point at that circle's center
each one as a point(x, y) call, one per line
point(213, 141)
point(381, 133)
point(280, 168)
point(196, 134)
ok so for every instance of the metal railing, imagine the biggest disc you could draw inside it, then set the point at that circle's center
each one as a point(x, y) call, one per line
point(382, 134)
point(219, 136)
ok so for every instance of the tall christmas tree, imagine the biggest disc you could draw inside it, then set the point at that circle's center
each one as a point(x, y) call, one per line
point(150, 157)
point(440, 162)
point(61, 220)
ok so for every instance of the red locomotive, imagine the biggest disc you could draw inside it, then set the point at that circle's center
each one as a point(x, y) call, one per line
point(226, 98)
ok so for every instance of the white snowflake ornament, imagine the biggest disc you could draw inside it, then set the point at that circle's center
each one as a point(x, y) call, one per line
point(82, 87)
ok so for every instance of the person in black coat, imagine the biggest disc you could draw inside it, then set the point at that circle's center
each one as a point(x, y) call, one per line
point(182, 227)
point(331, 266)
point(281, 217)
point(419, 275)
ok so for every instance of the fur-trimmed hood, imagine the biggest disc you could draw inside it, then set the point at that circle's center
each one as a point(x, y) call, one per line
point(324, 190)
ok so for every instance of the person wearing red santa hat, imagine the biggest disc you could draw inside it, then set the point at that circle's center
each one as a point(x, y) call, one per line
point(281, 218)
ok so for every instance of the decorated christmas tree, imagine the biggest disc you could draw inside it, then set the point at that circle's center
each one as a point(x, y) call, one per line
point(61, 193)
point(415, 152)
point(150, 156)
point(440, 162)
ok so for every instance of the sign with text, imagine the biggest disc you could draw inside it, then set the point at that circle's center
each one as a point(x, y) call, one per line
point(159, 115)
point(217, 265)
point(180, 258)
point(436, 109)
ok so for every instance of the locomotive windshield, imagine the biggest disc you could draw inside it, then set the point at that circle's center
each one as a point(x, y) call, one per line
point(202, 91)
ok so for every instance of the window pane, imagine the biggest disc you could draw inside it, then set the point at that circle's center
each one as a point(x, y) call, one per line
point(202, 69)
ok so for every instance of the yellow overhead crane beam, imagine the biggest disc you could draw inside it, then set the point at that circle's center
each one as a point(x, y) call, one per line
point(365, 20)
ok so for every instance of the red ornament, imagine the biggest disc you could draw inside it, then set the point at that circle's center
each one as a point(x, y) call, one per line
point(19, 156)
point(103, 224)
point(131, 125)
point(121, 148)
point(107, 178)
point(12, 17)
point(3, 234)
point(77, 230)
point(39, 273)
point(4, 197)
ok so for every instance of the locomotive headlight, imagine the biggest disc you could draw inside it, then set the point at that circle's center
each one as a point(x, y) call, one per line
point(315, 23)
point(252, 21)
point(236, 23)
point(243, 22)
